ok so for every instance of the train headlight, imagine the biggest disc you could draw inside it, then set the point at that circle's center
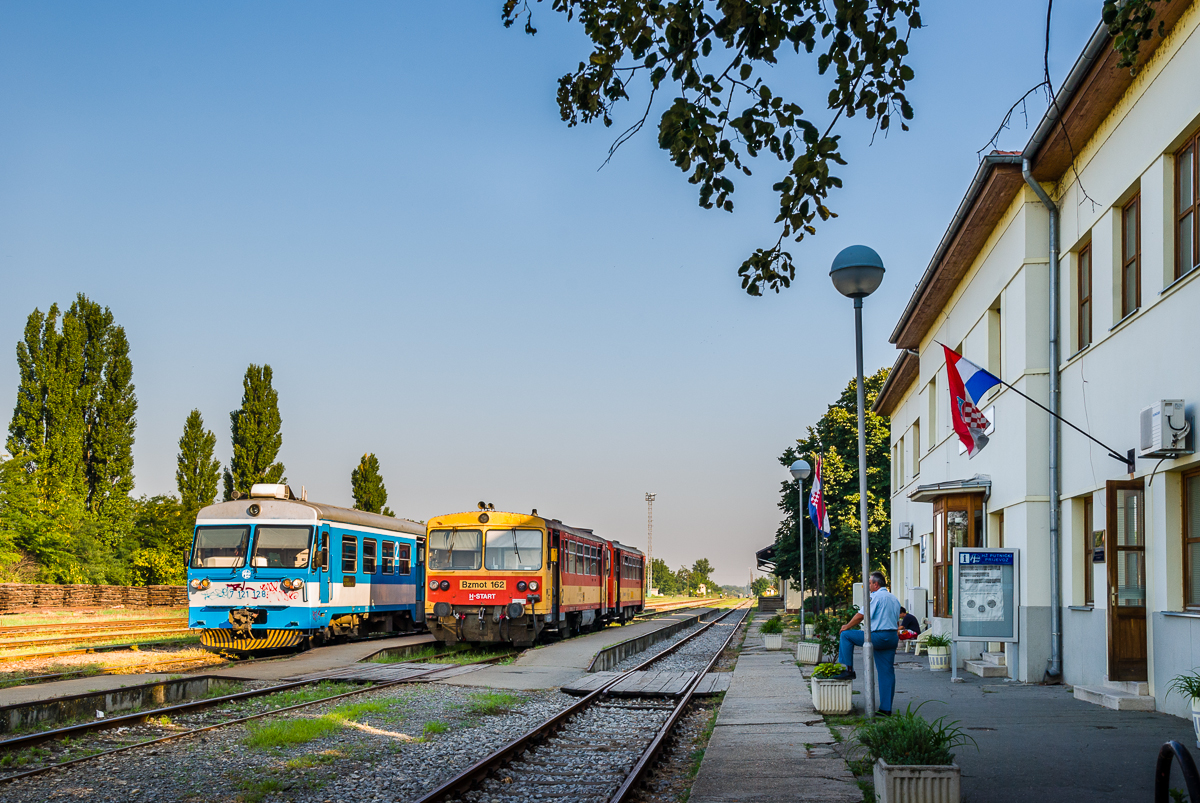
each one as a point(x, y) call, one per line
point(200, 585)
point(195, 584)
point(533, 585)
point(292, 585)
point(433, 585)
point(521, 586)
point(444, 585)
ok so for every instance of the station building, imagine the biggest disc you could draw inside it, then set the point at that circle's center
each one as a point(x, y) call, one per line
point(1118, 614)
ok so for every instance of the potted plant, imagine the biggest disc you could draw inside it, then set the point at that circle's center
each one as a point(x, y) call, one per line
point(938, 647)
point(830, 693)
point(1187, 686)
point(913, 758)
point(772, 633)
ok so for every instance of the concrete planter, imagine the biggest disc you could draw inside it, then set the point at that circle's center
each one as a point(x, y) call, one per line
point(939, 659)
point(810, 631)
point(1196, 719)
point(808, 652)
point(919, 783)
point(831, 696)
point(773, 641)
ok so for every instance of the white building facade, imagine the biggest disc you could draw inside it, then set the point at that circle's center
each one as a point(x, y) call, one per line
point(1127, 191)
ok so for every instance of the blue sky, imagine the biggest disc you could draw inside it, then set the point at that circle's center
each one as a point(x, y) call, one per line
point(380, 201)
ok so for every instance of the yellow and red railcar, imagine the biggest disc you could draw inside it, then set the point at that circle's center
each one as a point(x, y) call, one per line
point(493, 576)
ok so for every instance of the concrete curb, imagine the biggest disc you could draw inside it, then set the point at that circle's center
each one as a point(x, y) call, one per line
point(609, 657)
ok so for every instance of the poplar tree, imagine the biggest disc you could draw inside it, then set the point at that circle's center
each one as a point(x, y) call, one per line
point(198, 472)
point(366, 483)
point(255, 428)
point(74, 418)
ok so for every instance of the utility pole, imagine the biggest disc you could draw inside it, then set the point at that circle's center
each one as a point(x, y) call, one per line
point(649, 543)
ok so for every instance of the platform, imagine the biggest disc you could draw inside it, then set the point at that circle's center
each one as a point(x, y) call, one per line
point(650, 684)
point(553, 665)
point(769, 744)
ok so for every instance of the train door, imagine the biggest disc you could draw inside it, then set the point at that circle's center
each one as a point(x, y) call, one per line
point(556, 578)
point(323, 565)
point(609, 599)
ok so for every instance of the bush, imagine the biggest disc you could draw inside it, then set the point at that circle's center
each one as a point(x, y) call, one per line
point(828, 670)
point(909, 738)
point(772, 626)
point(1186, 685)
point(939, 640)
point(828, 629)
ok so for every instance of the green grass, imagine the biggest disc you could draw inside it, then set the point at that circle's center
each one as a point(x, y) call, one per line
point(281, 733)
point(306, 694)
point(253, 791)
point(220, 688)
point(434, 728)
point(22, 757)
point(350, 713)
point(421, 655)
point(314, 760)
point(486, 704)
point(461, 654)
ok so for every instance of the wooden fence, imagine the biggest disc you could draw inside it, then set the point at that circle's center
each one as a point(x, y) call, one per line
point(23, 596)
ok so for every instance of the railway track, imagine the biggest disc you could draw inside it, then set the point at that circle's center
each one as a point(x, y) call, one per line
point(598, 749)
point(108, 723)
point(74, 628)
point(86, 637)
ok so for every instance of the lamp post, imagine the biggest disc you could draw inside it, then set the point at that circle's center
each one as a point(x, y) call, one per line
point(800, 471)
point(857, 272)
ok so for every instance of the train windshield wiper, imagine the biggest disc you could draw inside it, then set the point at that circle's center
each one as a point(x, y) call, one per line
point(517, 549)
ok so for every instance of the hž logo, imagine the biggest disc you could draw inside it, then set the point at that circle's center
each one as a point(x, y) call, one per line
point(480, 597)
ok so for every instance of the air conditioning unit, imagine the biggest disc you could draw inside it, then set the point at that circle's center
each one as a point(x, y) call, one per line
point(906, 530)
point(1165, 430)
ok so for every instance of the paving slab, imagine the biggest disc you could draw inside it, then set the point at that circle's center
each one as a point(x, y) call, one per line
point(561, 662)
point(769, 743)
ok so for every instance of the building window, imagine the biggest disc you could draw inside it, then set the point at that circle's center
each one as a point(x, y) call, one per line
point(1089, 573)
point(1191, 539)
point(1085, 297)
point(1131, 257)
point(931, 396)
point(916, 447)
point(900, 464)
point(1187, 207)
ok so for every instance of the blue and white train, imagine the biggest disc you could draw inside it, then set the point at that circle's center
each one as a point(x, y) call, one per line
point(273, 572)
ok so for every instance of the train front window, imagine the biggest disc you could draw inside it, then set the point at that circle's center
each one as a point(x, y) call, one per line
point(513, 550)
point(220, 547)
point(281, 547)
point(455, 550)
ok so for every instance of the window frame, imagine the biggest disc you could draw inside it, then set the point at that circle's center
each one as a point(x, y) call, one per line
point(387, 557)
point(403, 559)
point(353, 541)
point(373, 557)
point(1134, 263)
point(1192, 142)
point(1187, 540)
point(1083, 302)
point(1089, 569)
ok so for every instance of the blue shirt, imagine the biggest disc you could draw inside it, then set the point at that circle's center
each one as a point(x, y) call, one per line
point(885, 610)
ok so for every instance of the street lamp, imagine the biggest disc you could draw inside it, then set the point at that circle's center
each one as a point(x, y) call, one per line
point(800, 471)
point(857, 272)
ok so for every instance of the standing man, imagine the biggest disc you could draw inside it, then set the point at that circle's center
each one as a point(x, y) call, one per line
point(885, 614)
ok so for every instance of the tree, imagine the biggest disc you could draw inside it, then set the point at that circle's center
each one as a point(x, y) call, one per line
point(197, 472)
point(759, 586)
point(74, 417)
point(701, 573)
point(255, 428)
point(366, 483)
point(683, 578)
point(713, 56)
point(836, 436)
point(663, 578)
point(162, 538)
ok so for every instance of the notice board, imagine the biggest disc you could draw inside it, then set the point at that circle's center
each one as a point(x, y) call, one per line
point(986, 594)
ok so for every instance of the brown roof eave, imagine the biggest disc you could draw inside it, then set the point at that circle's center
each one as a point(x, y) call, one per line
point(900, 379)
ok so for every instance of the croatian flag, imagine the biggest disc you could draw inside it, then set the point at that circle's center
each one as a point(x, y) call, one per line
point(816, 504)
point(968, 382)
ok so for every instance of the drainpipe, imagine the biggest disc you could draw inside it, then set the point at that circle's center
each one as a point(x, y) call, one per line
point(1054, 670)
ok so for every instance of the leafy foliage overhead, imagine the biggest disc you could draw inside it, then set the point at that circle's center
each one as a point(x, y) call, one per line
point(366, 483)
point(255, 428)
point(715, 57)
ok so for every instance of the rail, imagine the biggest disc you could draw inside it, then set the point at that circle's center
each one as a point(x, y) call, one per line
point(1174, 751)
point(463, 782)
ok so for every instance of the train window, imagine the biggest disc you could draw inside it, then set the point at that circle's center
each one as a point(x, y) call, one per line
point(513, 550)
point(403, 560)
point(570, 557)
point(220, 547)
point(370, 550)
point(455, 550)
point(388, 558)
point(281, 547)
point(349, 554)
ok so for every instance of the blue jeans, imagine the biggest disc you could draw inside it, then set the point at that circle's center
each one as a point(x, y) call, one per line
point(884, 642)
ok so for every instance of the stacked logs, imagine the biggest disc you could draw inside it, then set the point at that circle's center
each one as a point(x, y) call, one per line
point(17, 597)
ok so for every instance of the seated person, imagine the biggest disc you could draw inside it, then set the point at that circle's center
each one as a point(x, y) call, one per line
point(909, 627)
